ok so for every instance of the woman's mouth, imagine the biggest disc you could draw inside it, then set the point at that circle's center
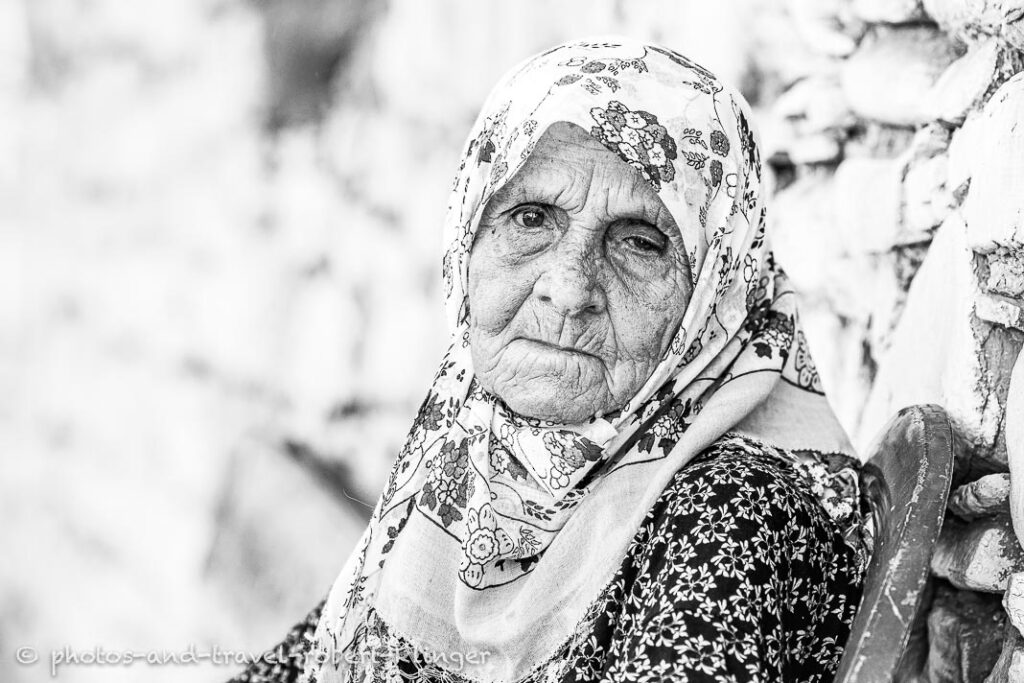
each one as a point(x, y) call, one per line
point(548, 346)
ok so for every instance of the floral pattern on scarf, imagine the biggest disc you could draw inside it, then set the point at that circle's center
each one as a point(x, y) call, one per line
point(638, 139)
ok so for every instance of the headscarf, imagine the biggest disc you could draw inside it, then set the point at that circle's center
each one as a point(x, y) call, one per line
point(495, 531)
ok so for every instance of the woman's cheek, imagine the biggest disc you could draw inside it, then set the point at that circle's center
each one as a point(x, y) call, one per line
point(497, 297)
point(643, 312)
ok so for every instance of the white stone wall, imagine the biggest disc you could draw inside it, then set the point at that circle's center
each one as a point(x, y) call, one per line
point(918, 201)
point(220, 300)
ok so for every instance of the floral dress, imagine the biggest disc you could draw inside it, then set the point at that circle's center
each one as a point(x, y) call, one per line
point(749, 567)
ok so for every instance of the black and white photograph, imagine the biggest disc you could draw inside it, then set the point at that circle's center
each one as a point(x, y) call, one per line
point(455, 341)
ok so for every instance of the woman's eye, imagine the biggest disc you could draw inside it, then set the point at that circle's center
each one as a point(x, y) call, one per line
point(642, 238)
point(643, 244)
point(530, 217)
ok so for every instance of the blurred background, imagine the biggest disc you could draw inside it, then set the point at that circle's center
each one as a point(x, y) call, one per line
point(220, 266)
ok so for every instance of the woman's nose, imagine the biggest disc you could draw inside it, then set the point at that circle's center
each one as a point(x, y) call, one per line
point(569, 283)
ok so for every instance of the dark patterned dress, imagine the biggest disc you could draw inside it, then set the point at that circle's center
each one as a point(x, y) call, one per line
point(749, 567)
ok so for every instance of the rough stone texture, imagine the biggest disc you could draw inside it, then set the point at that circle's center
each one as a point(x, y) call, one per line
point(972, 19)
point(964, 634)
point(989, 495)
point(979, 556)
point(926, 200)
point(888, 11)
point(1006, 272)
point(814, 105)
point(1000, 347)
point(912, 59)
point(1009, 668)
point(968, 80)
point(929, 141)
point(961, 152)
point(994, 208)
point(1013, 601)
point(963, 83)
point(1001, 311)
point(878, 140)
point(952, 369)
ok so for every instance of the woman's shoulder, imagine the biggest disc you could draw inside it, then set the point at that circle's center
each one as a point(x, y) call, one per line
point(740, 444)
point(833, 479)
point(737, 466)
point(744, 477)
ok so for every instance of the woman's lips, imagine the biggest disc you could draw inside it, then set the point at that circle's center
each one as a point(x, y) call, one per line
point(548, 346)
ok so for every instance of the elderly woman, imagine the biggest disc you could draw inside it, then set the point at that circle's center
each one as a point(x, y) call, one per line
point(625, 468)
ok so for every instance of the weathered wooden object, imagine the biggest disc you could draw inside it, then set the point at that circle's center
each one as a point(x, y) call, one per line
point(907, 479)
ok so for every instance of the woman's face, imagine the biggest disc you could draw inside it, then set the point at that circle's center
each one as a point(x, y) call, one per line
point(578, 280)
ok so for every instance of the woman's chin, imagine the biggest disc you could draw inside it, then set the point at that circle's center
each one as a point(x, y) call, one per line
point(546, 398)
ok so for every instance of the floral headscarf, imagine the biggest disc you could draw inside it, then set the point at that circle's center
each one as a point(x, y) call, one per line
point(496, 531)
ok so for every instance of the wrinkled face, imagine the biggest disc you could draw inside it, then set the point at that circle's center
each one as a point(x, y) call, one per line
point(578, 280)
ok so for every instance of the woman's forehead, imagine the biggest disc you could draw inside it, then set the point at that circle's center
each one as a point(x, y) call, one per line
point(568, 162)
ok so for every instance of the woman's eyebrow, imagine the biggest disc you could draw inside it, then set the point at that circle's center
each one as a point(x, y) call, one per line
point(527, 188)
point(654, 213)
